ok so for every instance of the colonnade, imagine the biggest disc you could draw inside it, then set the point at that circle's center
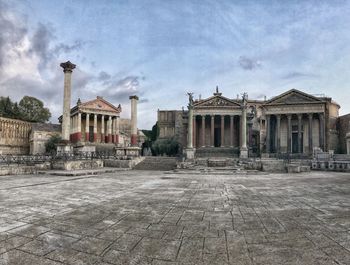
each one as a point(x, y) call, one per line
point(106, 125)
point(202, 134)
point(273, 131)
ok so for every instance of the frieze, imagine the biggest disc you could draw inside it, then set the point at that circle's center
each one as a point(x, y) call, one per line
point(294, 109)
point(217, 112)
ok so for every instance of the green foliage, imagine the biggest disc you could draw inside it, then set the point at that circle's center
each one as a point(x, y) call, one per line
point(32, 109)
point(8, 109)
point(28, 109)
point(51, 144)
point(168, 147)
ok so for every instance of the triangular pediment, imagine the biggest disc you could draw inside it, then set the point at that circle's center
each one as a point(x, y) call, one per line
point(99, 104)
point(216, 101)
point(294, 96)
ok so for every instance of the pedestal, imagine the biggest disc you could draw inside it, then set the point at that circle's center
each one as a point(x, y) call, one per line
point(189, 153)
point(244, 153)
point(64, 148)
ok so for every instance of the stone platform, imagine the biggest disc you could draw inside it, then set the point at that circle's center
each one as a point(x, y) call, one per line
point(152, 218)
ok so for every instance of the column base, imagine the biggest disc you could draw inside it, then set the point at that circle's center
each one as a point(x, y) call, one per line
point(133, 140)
point(190, 153)
point(102, 137)
point(243, 152)
point(87, 137)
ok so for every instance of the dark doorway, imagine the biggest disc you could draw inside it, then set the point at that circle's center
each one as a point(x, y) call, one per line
point(91, 133)
point(217, 134)
point(295, 143)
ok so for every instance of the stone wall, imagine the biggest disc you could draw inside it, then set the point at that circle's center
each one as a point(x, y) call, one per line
point(78, 164)
point(343, 128)
point(14, 136)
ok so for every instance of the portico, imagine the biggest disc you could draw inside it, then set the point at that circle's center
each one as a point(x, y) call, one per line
point(295, 123)
point(95, 121)
point(217, 123)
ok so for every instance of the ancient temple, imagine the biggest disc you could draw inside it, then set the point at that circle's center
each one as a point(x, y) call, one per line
point(293, 122)
point(95, 121)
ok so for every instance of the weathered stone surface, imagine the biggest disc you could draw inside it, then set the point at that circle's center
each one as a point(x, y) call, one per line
point(147, 217)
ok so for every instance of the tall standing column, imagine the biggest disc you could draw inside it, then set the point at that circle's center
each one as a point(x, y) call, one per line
point(194, 131)
point(109, 125)
point(278, 144)
point(203, 130)
point(212, 124)
point(79, 127)
point(87, 125)
point(103, 129)
point(113, 129)
point(117, 122)
point(190, 128)
point(289, 133)
point(268, 141)
point(95, 128)
point(231, 130)
point(322, 133)
point(300, 144)
point(222, 131)
point(310, 115)
point(244, 149)
point(67, 70)
point(134, 100)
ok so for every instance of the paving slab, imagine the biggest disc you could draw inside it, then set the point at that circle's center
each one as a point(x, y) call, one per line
point(153, 217)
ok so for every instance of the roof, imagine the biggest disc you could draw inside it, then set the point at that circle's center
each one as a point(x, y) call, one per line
point(46, 127)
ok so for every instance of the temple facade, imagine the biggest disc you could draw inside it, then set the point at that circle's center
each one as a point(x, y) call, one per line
point(95, 121)
point(293, 122)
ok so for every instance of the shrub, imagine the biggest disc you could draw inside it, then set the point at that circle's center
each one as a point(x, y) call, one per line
point(168, 147)
point(51, 144)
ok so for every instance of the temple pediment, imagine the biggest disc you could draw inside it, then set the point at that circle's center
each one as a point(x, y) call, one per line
point(216, 101)
point(293, 96)
point(99, 104)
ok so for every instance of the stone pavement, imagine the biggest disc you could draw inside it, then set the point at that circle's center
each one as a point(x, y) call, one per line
point(145, 217)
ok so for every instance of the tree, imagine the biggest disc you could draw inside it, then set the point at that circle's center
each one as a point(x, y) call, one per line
point(7, 107)
point(51, 144)
point(32, 109)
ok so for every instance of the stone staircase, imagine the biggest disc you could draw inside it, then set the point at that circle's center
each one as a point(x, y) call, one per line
point(157, 163)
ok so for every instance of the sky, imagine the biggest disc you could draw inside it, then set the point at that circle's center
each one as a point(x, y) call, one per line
point(160, 50)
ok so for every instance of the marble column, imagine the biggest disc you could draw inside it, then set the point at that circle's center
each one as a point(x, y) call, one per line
point(310, 115)
point(67, 70)
point(222, 131)
point(190, 128)
point(109, 126)
point(79, 127)
point(268, 133)
point(289, 133)
point(231, 131)
point(134, 100)
point(244, 149)
point(203, 130)
point(212, 124)
point(87, 125)
point(278, 132)
point(95, 128)
point(300, 143)
point(194, 131)
point(103, 129)
point(117, 124)
point(322, 131)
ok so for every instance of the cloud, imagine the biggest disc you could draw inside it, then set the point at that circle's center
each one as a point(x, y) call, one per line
point(103, 76)
point(248, 63)
point(295, 75)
